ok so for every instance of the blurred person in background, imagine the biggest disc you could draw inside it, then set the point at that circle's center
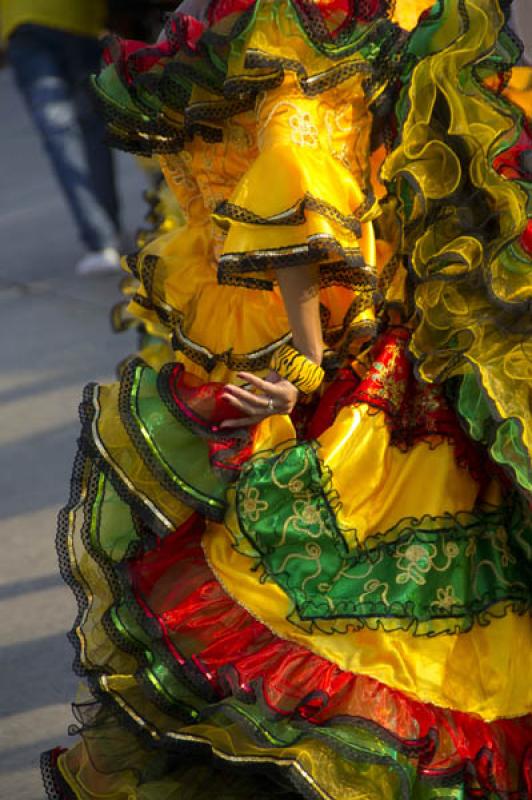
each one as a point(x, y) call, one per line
point(52, 47)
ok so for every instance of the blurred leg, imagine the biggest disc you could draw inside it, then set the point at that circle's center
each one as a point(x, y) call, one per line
point(82, 59)
point(36, 55)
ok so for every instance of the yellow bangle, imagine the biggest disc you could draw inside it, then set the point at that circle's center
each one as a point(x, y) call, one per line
point(293, 366)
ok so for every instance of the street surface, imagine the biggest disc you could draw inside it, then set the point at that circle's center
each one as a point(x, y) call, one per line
point(55, 337)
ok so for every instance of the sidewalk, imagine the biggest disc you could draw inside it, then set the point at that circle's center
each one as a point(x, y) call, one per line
point(55, 338)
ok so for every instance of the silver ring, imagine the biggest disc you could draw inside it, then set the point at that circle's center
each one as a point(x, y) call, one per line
point(271, 407)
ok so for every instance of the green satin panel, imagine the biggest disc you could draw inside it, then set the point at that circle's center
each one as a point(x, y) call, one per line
point(431, 575)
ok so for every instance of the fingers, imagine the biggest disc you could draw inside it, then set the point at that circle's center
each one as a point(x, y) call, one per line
point(275, 398)
point(252, 400)
point(249, 409)
point(268, 387)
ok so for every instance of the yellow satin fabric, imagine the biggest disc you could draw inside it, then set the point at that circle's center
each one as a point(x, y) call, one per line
point(291, 146)
point(475, 672)
point(390, 485)
point(407, 12)
point(518, 89)
point(219, 319)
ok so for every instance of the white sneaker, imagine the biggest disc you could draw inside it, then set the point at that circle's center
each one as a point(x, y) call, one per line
point(98, 261)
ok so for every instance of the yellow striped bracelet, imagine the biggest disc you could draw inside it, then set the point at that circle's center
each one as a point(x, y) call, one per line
point(293, 366)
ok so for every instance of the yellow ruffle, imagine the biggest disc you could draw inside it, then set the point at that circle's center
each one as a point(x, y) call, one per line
point(221, 329)
point(313, 147)
point(296, 158)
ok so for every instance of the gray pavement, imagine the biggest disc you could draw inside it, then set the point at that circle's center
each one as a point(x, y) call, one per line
point(55, 337)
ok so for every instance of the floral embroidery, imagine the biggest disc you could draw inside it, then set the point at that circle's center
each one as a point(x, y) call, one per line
point(304, 132)
point(251, 506)
point(413, 562)
point(308, 515)
point(414, 410)
point(445, 598)
point(372, 586)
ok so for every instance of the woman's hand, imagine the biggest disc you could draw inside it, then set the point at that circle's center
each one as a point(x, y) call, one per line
point(276, 396)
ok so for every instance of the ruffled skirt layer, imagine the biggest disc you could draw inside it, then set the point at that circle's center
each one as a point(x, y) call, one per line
point(344, 621)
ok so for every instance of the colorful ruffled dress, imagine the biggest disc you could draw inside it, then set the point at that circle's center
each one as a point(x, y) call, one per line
point(333, 605)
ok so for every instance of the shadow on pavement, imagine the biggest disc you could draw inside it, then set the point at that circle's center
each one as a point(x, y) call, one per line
point(33, 674)
point(45, 481)
point(18, 588)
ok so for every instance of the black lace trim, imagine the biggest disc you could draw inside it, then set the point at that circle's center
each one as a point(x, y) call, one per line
point(146, 146)
point(149, 131)
point(207, 77)
point(216, 111)
point(209, 134)
point(55, 786)
point(255, 360)
point(144, 269)
point(367, 22)
point(310, 85)
point(227, 211)
point(317, 248)
point(246, 282)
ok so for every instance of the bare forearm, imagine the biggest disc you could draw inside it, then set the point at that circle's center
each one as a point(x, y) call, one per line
point(277, 394)
point(300, 291)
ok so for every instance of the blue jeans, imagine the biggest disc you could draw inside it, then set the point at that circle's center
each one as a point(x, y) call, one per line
point(51, 69)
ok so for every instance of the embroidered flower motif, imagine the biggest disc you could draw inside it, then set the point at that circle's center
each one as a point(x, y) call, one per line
point(304, 132)
point(388, 381)
point(306, 511)
point(451, 549)
point(414, 561)
point(295, 485)
point(445, 599)
point(250, 504)
point(309, 518)
point(428, 401)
